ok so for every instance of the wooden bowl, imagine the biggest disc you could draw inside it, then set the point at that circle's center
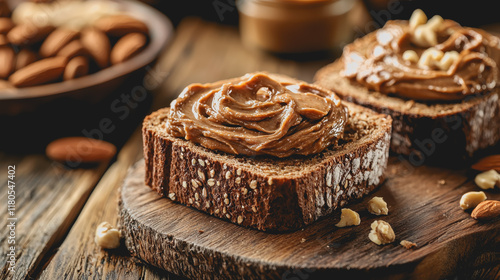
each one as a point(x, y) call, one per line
point(94, 87)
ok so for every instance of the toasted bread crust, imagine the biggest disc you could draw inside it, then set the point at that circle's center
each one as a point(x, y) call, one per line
point(264, 193)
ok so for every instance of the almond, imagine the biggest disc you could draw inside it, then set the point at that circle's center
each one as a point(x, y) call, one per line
point(127, 47)
point(80, 149)
point(27, 34)
point(7, 57)
point(97, 44)
point(6, 25)
point(74, 48)
point(119, 25)
point(77, 67)
point(24, 58)
point(488, 163)
point(56, 41)
point(486, 210)
point(40, 72)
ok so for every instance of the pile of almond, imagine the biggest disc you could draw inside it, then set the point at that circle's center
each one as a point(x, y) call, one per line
point(50, 42)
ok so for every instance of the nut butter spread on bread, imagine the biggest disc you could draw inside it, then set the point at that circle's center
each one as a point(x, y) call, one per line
point(257, 115)
point(264, 151)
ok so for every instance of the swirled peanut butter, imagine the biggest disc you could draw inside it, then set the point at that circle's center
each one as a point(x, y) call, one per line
point(440, 61)
point(258, 114)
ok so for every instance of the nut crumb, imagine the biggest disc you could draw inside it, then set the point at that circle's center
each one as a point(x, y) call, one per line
point(442, 182)
point(381, 233)
point(302, 240)
point(107, 236)
point(378, 206)
point(348, 218)
point(408, 244)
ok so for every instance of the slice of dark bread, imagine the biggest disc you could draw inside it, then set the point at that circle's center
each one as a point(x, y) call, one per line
point(425, 132)
point(264, 193)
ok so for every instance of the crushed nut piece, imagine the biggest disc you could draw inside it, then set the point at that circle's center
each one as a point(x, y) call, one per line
point(348, 218)
point(448, 59)
point(408, 244)
point(378, 206)
point(472, 199)
point(487, 180)
point(442, 182)
point(381, 233)
point(107, 237)
point(430, 57)
point(411, 56)
point(201, 162)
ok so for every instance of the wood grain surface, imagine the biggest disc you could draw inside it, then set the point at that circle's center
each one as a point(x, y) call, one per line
point(49, 197)
point(421, 210)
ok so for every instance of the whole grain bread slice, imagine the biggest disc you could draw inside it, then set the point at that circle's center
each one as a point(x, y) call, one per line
point(439, 132)
point(264, 193)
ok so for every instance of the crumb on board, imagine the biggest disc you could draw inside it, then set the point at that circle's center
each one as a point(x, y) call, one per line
point(201, 231)
point(442, 182)
point(302, 240)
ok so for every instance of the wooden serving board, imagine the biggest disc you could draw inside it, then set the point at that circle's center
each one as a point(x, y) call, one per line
point(423, 208)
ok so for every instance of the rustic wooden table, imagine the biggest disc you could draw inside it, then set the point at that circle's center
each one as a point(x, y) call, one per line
point(57, 210)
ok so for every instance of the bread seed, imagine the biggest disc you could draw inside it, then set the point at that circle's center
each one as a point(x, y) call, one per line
point(253, 184)
point(245, 191)
point(240, 219)
point(211, 182)
point(190, 201)
point(238, 171)
point(193, 162)
point(212, 173)
point(238, 180)
point(204, 192)
point(171, 196)
point(228, 216)
point(201, 162)
point(207, 204)
point(226, 201)
point(196, 196)
point(201, 175)
point(184, 184)
point(228, 175)
point(254, 209)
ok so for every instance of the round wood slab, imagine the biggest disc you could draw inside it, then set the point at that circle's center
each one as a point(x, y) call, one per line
point(423, 208)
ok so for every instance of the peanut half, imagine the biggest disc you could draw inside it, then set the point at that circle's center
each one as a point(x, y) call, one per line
point(107, 237)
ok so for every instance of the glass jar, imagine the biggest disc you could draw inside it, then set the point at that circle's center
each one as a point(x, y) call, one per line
point(294, 26)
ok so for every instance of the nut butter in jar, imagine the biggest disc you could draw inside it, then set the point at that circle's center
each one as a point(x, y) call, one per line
point(295, 26)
